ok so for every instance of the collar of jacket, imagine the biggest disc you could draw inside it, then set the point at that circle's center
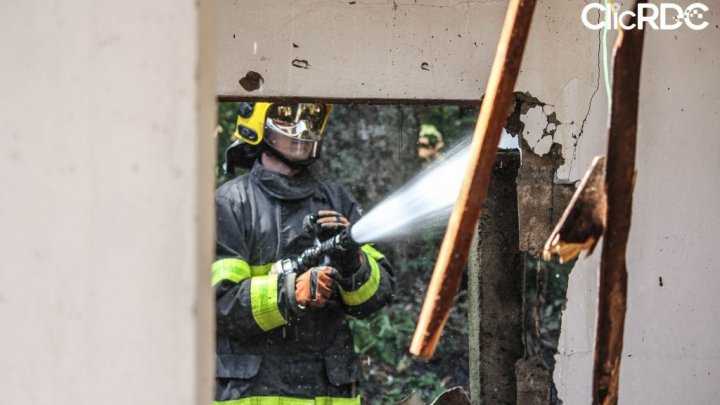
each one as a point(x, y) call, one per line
point(284, 187)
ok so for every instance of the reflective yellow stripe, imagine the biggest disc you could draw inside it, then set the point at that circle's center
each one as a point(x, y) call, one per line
point(367, 290)
point(261, 270)
point(372, 252)
point(236, 270)
point(291, 401)
point(263, 300)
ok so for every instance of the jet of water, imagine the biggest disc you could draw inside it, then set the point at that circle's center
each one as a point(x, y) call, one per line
point(425, 202)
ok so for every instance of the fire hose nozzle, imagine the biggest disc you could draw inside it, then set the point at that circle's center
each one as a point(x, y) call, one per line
point(312, 256)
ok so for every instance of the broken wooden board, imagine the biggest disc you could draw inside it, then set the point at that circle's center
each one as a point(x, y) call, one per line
point(464, 218)
point(583, 222)
point(619, 185)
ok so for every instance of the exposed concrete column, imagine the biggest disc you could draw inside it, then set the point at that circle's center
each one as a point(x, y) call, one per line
point(540, 204)
point(496, 275)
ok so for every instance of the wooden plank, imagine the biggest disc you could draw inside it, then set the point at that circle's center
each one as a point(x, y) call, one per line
point(583, 221)
point(619, 184)
point(464, 218)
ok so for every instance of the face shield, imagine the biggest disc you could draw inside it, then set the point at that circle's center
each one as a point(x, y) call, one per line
point(295, 130)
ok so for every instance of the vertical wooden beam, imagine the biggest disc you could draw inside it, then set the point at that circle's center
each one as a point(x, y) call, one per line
point(619, 184)
point(464, 218)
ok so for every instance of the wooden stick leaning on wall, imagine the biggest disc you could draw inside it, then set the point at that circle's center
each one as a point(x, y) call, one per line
point(464, 218)
point(619, 184)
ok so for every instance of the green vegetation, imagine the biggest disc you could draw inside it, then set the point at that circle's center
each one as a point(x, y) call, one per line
point(545, 293)
point(371, 151)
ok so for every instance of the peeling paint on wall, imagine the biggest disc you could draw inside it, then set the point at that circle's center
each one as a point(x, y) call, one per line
point(540, 128)
point(535, 132)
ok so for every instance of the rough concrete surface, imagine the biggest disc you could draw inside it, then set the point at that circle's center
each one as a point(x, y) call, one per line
point(533, 383)
point(500, 279)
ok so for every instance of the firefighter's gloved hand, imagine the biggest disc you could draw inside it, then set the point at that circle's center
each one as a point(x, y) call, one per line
point(315, 286)
point(332, 223)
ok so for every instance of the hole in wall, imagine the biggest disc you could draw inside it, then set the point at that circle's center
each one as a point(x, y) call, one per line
point(373, 150)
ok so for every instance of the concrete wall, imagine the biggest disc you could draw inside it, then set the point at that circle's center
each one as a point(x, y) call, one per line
point(495, 289)
point(358, 49)
point(105, 204)
point(375, 49)
point(106, 215)
point(670, 352)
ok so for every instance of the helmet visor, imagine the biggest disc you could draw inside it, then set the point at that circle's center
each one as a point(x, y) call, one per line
point(302, 121)
point(293, 149)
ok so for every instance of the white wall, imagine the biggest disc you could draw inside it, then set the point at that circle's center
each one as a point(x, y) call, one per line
point(373, 49)
point(106, 181)
point(358, 49)
point(106, 173)
point(671, 353)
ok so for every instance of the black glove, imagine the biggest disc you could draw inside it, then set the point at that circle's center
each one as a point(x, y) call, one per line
point(332, 223)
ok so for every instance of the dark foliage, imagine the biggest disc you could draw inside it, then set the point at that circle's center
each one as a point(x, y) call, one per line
point(371, 150)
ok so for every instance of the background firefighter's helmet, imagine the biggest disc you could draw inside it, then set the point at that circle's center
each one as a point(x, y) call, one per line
point(430, 142)
point(291, 131)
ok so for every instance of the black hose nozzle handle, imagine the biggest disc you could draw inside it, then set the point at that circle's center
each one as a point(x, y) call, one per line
point(310, 225)
point(312, 256)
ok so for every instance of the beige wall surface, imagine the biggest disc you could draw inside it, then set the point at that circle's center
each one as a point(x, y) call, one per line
point(376, 49)
point(671, 353)
point(106, 202)
point(368, 49)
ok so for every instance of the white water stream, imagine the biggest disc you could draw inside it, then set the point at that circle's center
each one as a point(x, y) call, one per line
point(424, 203)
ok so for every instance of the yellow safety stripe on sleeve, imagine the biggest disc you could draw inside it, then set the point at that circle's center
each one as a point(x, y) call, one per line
point(263, 300)
point(367, 290)
point(261, 270)
point(371, 251)
point(236, 270)
point(291, 401)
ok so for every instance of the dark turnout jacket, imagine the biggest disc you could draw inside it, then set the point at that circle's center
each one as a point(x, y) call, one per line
point(269, 351)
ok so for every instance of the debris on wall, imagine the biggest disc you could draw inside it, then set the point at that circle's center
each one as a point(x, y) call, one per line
point(541, 198)
point(541, 195)
point(538, 124)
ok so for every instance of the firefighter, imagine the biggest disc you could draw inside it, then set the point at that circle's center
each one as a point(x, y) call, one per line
point(283, 338)
point(430, 142)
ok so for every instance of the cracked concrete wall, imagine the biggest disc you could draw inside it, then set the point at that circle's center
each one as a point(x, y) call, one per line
point(420, 49)
point(390, 49)
point(670, 352)
point(106, 204)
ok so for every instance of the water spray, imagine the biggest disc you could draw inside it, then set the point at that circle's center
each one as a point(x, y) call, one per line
point(425, 202)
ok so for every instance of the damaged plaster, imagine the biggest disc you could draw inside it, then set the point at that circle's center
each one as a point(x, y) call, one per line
point(537, 133)
point(540, 128)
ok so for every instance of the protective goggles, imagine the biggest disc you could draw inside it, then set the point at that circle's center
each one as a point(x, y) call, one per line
point(302, 121)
